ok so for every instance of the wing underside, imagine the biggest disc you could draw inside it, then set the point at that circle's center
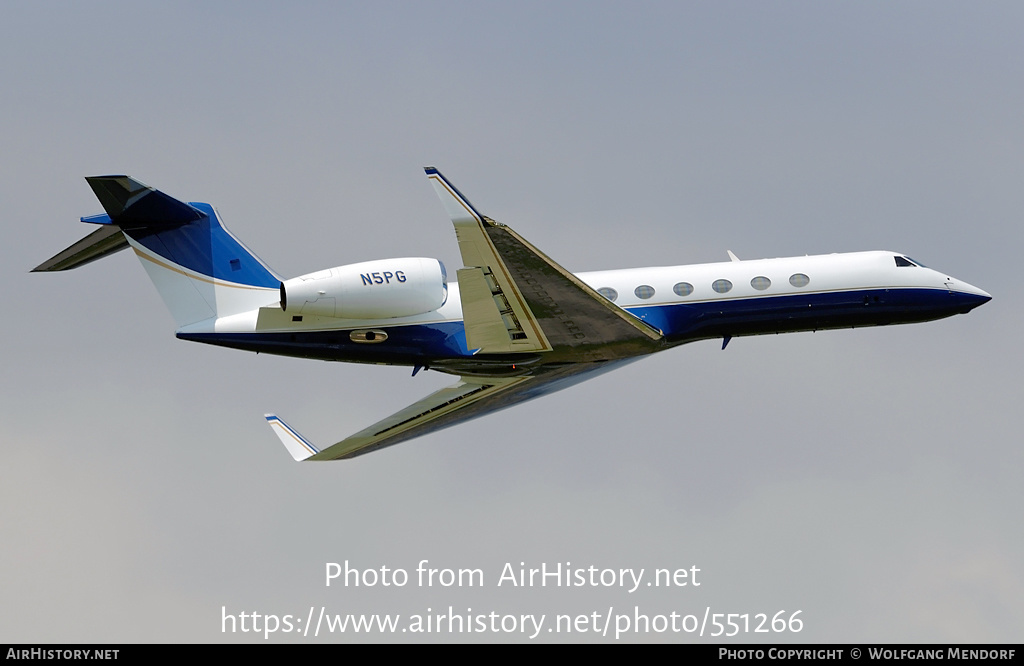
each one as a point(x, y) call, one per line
point(461, 401)
point(467, 399)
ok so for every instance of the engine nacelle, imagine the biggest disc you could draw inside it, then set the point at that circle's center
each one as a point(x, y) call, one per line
point(370, 290)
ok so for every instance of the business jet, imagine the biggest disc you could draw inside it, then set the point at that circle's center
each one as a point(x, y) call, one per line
point(515, 324)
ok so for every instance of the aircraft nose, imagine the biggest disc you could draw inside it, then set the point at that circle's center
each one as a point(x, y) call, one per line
point(969, 296)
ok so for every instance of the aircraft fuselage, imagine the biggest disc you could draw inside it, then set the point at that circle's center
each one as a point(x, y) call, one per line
point(686, 303)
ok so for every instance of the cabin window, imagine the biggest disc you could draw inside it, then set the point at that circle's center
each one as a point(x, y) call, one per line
point(760, 283)
point(721, 286)
point(799, 280)
point(644, 291)
point(608, 293)
point(683, 289)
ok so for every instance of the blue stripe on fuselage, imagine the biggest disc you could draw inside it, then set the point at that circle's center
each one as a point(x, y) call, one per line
point(406, 345)
point(680, 322)
point(684, 322)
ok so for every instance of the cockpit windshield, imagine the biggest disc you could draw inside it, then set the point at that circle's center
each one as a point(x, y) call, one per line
point(907, 261)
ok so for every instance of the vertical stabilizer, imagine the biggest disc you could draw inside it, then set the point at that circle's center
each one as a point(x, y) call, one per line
point(199, 268)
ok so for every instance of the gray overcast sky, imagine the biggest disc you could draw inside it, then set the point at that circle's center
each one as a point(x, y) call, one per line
point(870, 479)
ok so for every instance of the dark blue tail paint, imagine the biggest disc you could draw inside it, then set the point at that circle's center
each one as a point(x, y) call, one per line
point(206, 247)
point(187, 234)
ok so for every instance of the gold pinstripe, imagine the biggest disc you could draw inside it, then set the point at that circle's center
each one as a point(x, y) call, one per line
point(278, 424)
point(197, 276)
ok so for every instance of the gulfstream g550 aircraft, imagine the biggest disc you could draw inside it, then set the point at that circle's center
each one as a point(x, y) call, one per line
point(515, 326)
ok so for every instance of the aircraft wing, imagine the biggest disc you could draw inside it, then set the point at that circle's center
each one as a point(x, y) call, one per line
point(467, 399)
point(516, 299)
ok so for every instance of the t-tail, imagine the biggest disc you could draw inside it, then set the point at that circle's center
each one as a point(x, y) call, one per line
point(199, 268)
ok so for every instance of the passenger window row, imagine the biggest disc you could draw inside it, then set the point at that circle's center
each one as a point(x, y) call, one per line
point(684, 289)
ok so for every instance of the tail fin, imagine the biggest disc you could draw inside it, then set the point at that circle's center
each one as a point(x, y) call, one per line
point(199, 268)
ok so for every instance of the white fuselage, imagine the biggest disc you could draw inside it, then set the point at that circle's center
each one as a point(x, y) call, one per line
point(686, 303)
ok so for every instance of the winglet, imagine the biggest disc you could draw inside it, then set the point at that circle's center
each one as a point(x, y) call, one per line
point(457, 206)
point(297, 445)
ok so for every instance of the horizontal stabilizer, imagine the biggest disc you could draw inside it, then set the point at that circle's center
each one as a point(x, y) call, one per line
point(100, 243)
point(131, 203)
point(200, 269)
